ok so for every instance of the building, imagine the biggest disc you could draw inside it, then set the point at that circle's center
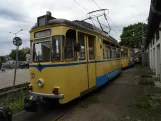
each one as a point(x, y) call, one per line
point(153, 38)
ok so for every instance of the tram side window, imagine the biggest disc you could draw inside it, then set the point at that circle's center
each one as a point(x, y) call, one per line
point(91, 47)
point(113, 52)
point(106, 50)
point(31, 51)
point(131, 54)
point(124, 53)
point(117, 52)
point(57, 44)
point(82, 50)
point(69, 45)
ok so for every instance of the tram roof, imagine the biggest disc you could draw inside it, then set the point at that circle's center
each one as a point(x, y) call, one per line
point(82, 25)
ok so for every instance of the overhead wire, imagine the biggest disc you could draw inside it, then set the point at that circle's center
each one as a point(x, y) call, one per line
point(92, 18)
point(114, 23)
point(80, 5)
point(106, 15)
point(96, 4)
point(83, 8)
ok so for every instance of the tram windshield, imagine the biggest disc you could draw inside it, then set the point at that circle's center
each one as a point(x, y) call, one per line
point(57, 46)
point(42, 50)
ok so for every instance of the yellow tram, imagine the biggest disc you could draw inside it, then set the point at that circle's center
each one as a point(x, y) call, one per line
point(127, 57)
point(69, 59)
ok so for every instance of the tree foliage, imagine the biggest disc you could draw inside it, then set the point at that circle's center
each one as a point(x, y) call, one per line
point(132, 35)
point(26, 50)
point(21, 55)
point(2, 59)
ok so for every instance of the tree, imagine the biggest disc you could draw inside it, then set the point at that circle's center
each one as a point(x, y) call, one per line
point(26, 50)
point(2, 59)
point(132, 35)
point(21, 55)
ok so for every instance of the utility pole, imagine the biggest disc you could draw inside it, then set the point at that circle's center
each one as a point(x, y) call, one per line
point(14, 80)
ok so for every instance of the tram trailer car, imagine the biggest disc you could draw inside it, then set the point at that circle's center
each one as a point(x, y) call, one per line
point(127, 57)
point(68, 59)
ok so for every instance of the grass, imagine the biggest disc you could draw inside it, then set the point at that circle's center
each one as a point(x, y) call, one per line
point(17, 105)
point(147, 105)
point(14, 102)
point(144, 104)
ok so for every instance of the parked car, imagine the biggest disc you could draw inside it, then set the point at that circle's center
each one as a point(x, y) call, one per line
point(9, 64)
point(24, 65)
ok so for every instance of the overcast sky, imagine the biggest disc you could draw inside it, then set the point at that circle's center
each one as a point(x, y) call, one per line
point(22, 14)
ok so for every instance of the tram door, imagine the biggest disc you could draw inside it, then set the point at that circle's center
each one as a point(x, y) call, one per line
point(91, 67)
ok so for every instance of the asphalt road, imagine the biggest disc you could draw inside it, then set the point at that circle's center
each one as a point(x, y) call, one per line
point(7, 77)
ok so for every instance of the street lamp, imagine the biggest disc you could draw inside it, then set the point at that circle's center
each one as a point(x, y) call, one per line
point(16, 32)
point(16, 56)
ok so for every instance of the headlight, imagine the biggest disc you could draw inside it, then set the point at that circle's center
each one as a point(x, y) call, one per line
point(40, 83)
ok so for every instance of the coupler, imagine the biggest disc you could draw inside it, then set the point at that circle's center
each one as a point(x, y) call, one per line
point(31, 103)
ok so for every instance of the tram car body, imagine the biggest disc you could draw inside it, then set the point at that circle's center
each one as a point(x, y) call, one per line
point(68, 59)
point(127, 57)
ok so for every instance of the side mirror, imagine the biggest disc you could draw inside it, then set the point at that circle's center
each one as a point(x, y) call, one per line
point(77, 46)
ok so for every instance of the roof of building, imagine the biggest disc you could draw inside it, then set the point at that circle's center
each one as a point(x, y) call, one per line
point(82, 25)
point(154, 19)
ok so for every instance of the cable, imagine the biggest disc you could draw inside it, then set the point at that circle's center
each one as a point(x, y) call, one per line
point(103, 25)
point(113, 22)
point(80, 5)
point(106, 16)
point(96, 4)
point(93, 18)
point(98, 21)
point(107, 22)
point(84, 9)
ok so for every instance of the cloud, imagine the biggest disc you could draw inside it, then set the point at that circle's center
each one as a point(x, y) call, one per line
point(18, 14)
point(12, 15)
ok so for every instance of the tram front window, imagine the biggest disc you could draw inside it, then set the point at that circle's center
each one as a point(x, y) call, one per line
point(42, 51)
point(57, 46)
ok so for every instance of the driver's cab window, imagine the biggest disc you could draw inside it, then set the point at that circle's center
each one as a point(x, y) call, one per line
point(69, 45)
point(42, 50)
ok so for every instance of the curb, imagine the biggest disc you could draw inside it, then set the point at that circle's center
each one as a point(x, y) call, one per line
point(19, 113)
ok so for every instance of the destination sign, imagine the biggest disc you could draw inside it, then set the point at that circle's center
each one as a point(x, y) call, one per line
point(42, 33)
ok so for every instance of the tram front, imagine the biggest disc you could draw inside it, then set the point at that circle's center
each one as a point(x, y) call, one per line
point(46, 42)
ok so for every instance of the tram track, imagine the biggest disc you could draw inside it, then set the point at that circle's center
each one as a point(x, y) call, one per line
point(50, 113)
